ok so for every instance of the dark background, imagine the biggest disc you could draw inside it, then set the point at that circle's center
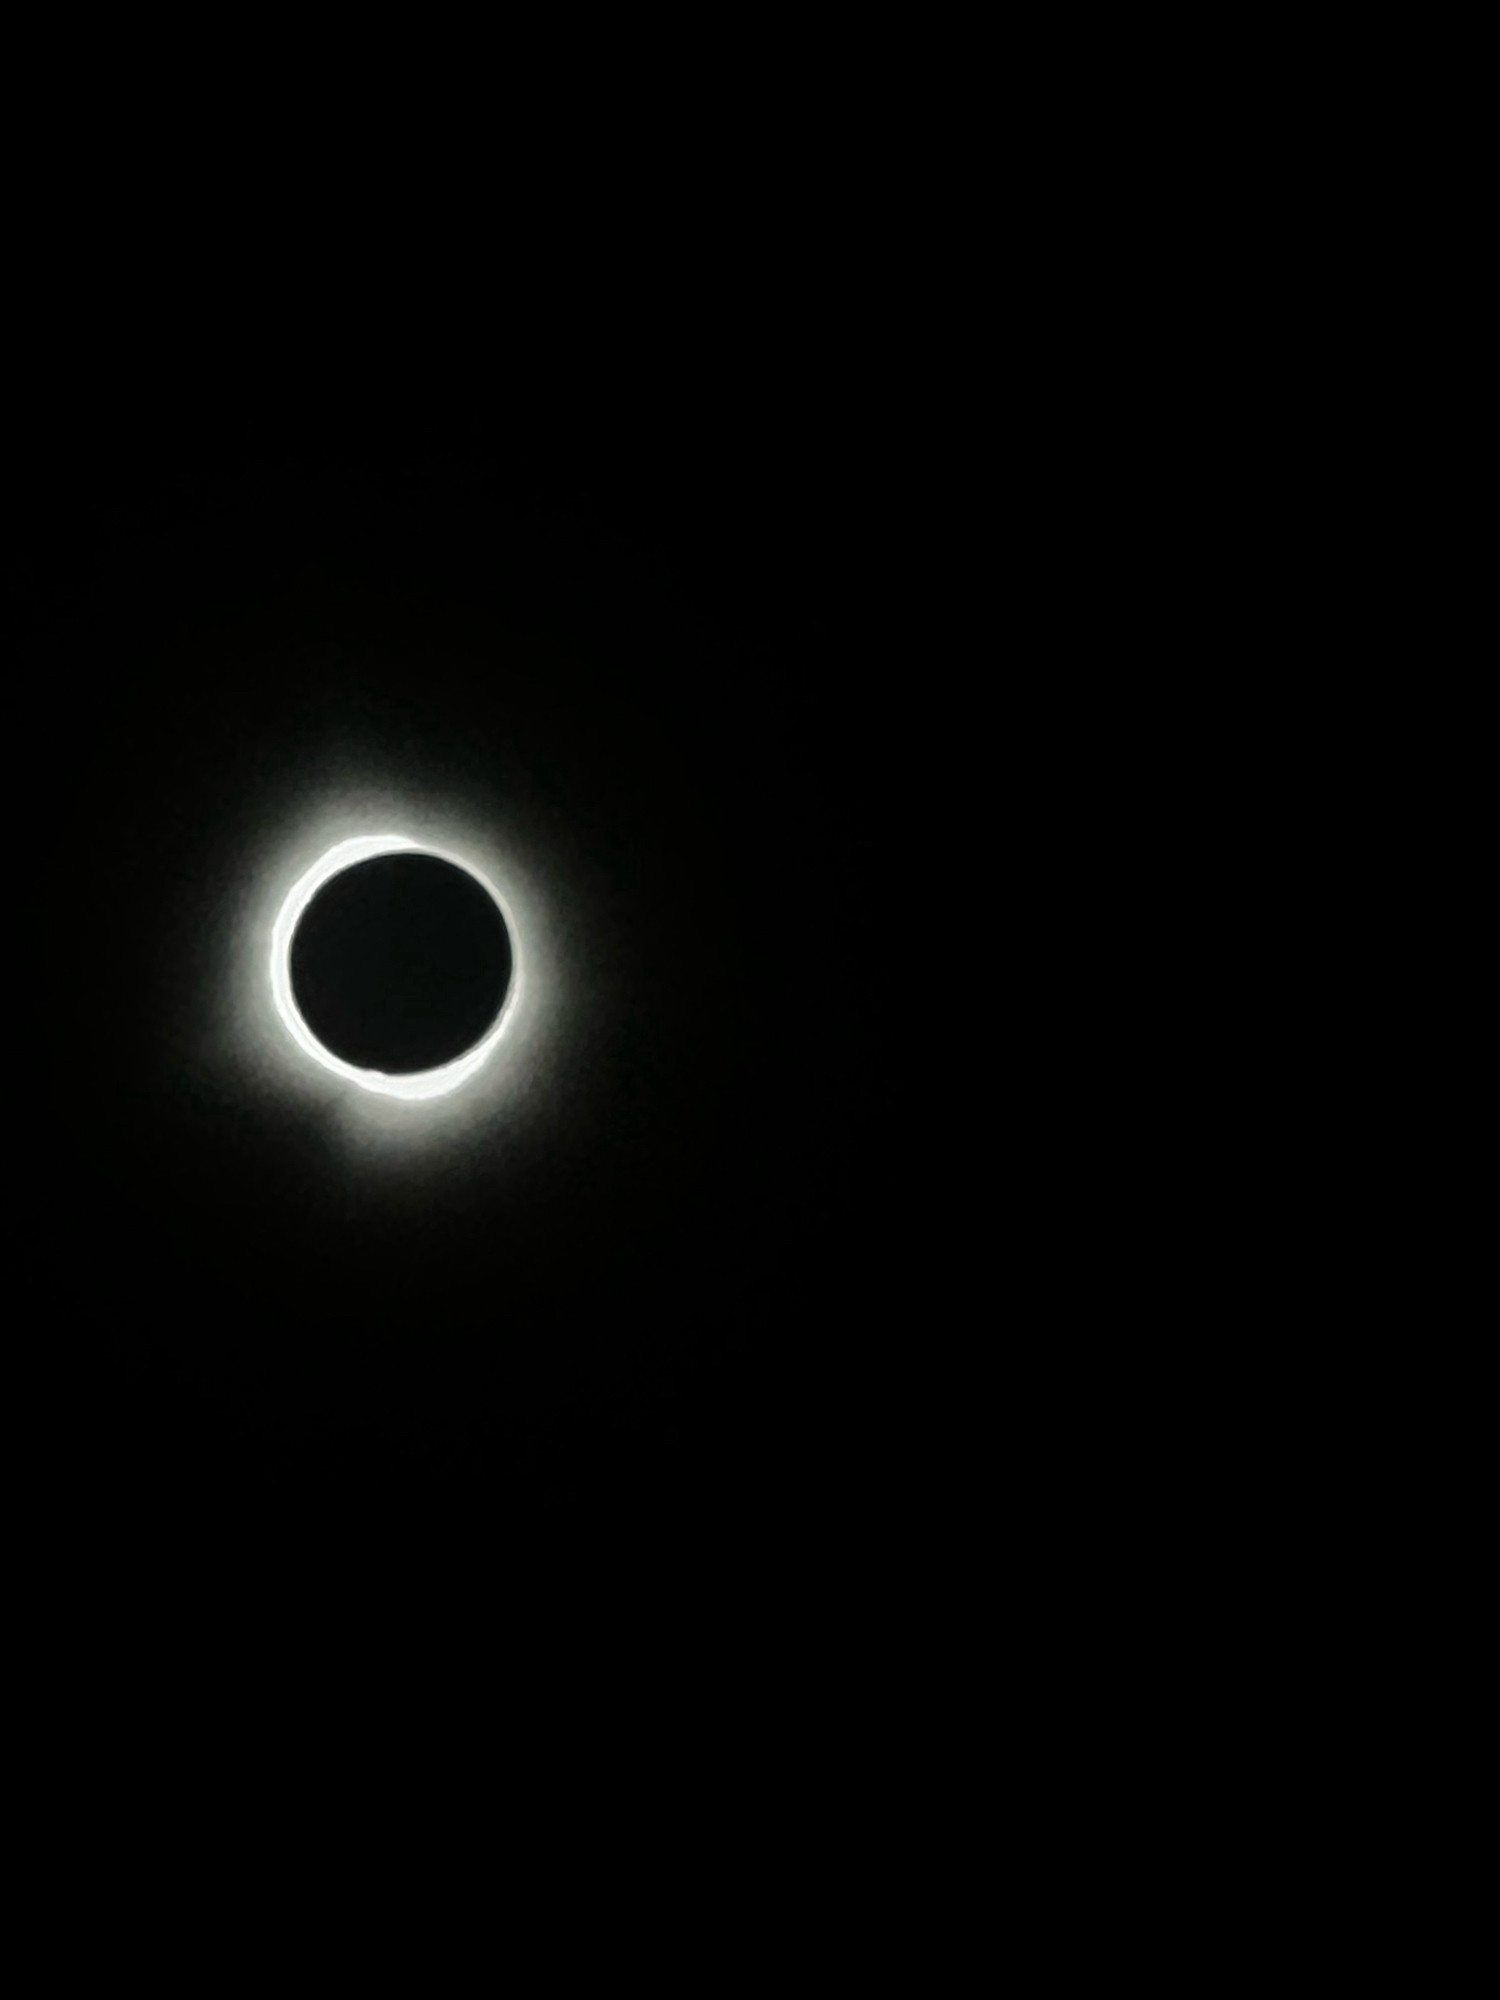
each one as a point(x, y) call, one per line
point(664, 1333)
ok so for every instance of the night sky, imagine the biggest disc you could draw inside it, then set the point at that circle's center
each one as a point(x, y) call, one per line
point(637, 1314)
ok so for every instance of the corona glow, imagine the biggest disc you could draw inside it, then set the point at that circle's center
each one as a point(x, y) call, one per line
point(235, 1026)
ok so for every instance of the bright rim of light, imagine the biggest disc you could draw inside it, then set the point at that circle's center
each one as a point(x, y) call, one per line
point(424, 1083)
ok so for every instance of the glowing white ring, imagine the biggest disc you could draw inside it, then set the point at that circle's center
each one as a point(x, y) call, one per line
point(423, 1083)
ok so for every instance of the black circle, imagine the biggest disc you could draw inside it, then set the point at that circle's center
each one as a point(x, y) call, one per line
point(401, 963)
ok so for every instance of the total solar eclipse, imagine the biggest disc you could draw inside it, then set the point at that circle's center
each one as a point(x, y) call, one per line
point(393, 965)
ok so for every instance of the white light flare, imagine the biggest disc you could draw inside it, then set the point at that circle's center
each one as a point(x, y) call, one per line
point(423, 1084)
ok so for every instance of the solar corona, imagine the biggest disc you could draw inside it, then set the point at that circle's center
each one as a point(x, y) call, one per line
point(396, 929)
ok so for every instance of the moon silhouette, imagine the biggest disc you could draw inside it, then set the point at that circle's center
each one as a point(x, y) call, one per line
point(395, 965)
